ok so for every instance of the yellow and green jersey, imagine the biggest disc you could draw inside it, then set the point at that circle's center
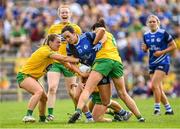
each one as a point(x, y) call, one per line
point(38, 62)
point(109, 49)
point(57, 28)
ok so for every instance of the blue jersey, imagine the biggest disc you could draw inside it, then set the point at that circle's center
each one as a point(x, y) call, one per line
point(157, 41)
point(83, 48)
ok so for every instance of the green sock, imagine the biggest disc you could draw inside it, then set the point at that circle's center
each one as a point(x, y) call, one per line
point(79, 110)
point(29, 112)
point(138, 117)
point(50, 111)
point(42, 118)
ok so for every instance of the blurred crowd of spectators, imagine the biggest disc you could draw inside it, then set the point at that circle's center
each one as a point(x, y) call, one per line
point(24, 24)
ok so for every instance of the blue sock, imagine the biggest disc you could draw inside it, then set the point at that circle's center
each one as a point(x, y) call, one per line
point(88, 115)
point(157, 106)
point(122, 112)
point(168, 107)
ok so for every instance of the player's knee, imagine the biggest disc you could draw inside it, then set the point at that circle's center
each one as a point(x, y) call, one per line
point(106, 103)
point(52, 90)
point(71, 90)
point(73, 85)
point(39, 92)
point(154, 83)
point(44, 98)
point(123, 95)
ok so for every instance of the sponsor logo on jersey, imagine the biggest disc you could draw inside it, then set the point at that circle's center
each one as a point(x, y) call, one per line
point(79, 51)
point(152, 40)
point(158, 40)
point(147, 40)
point(85, 46)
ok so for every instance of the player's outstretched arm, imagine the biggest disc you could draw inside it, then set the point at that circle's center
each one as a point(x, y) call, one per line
point(62, 58)
point(74, 68)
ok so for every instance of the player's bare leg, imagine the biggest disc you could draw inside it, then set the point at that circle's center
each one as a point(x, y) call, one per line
point(53, 82)
point(130, 103)
point(98, 113)
point(69, 81)
point(33, 87)
point(42, 108)
point(159, 93)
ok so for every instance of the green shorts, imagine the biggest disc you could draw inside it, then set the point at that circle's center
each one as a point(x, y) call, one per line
point(21, 76)
point(108, 67)
point(57, 67)
point(96, 99)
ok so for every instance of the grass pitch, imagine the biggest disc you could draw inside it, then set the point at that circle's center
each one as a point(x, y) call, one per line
point(11, 114)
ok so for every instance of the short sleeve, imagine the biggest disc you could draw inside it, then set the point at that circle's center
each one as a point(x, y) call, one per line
point(78, 29)
point(167, 37)
point(90, 35)
point(144, 39)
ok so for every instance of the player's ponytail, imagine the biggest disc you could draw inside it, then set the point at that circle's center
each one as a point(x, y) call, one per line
point(102, 22)
point(99, 23)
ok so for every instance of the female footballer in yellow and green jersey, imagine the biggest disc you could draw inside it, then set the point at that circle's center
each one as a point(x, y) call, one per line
point(35, 68)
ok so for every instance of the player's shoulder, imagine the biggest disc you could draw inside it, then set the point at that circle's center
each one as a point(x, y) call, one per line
point(42, 51)
point(73, 25)
point(88, 34)
point(76, 27)
point(55, 25)
point(44, 48)
point(147, 32)
point(83, 35)
point(162, 31)
point(109, 34)
point(54, 28)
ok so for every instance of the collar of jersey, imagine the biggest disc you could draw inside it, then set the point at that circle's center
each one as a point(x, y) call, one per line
point(154, 32)
point(65, 23)
point(77, 41)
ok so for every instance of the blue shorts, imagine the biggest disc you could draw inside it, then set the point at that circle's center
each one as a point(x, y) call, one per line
point(164, 68)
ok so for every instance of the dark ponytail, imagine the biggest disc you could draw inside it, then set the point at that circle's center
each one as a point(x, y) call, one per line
point(99, 23)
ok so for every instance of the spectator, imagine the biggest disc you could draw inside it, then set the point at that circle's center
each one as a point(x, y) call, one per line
point(18, 35)
point(4, 80)
point(140, 89)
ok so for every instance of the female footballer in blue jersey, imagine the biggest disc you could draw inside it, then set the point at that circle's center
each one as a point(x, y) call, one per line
point(85, 47)
point(159, 43)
